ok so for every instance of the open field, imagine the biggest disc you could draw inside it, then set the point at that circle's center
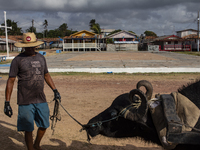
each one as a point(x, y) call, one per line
point(85, 95)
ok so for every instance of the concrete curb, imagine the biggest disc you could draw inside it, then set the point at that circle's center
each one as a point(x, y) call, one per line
point(128, 70)
point(121, 70)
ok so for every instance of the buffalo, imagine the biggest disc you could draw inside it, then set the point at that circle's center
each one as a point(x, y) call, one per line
point(129, 116)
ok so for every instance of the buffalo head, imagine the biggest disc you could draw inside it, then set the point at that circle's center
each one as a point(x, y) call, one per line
point(126, 117)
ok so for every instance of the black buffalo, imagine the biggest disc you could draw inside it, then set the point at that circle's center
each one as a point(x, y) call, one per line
point(122, 120)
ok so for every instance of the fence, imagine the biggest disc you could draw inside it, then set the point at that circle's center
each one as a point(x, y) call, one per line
point(67, 46)
point(177, 48)
point(122, 47)
point(153, 47)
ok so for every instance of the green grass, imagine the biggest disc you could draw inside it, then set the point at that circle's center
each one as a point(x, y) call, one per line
point(6, 62)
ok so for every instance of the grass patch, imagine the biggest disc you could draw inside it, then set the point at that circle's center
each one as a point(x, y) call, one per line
point(118, 74)
point(190, 53)
point(6, 62)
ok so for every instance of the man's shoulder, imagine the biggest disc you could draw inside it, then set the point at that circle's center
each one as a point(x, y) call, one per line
point(19, 56)
point(39, 55)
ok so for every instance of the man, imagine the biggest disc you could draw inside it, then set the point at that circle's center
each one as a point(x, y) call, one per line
point(31, 69)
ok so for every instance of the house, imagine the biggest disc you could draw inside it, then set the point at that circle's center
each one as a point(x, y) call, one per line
point(52, 43)
point(12, 39)
point(82, 41)
point(193, 40)
point(171, 43)
point(186, 32)
point(106, 32)
point(122, 40)
point(145, 41)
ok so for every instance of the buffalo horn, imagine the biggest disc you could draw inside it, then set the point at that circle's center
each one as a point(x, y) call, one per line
point(148, 87)
point(141, 110)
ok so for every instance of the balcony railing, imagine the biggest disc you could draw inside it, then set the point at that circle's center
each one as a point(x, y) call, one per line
point(177, 48)
point(83, 46)
point(80, 45)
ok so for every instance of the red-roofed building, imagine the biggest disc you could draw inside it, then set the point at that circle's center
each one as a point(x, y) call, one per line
point(172, 43)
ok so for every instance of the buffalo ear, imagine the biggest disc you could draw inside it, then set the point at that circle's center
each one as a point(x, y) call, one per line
point(148, 86)
point(113, 113)
point(139, 107)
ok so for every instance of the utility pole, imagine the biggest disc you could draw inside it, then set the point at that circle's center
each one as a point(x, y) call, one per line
point(198, 32)
point(6, 33)
point(32, 24)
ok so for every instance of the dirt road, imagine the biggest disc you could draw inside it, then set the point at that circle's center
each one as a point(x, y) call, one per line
point(84, 96)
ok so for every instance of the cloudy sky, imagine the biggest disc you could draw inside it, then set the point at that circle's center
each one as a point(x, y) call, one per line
point(163, 17)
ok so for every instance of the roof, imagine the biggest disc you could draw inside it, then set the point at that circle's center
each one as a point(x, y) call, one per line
point(83, 33)
point(50, 39)
point(122, 34)
point(191, 36)
point(107, 30)
point(15, 38)
point(187, 30)
point(150, 37)
point(168, 38)
point(80, 37)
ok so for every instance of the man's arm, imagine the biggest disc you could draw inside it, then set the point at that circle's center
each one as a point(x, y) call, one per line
point(8, 92)
point(9, 88)
point(49, 81)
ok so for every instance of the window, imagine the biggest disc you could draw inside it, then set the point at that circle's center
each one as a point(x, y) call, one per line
point(175, 42)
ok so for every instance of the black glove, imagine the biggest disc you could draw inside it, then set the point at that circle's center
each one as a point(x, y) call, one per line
point(8, 109)
point(57, 95)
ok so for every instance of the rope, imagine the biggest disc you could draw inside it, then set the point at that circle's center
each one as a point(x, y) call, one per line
point(186, 125)
point(56, 116)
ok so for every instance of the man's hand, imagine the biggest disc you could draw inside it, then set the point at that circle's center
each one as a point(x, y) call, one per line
point(8, 109)
point(57, 95)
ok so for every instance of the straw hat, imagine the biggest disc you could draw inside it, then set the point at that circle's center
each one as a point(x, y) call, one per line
point(28, 40)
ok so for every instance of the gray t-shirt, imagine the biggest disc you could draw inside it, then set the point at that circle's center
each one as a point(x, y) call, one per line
point(30, 71)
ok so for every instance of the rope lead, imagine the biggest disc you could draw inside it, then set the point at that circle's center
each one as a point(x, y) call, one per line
point(56, 116)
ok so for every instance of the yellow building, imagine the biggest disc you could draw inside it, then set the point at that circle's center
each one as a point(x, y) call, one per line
point(81, 41)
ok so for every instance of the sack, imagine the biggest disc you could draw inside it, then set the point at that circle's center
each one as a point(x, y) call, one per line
point(182, 111)
point(160, 123)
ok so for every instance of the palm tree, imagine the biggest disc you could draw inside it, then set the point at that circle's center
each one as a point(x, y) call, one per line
point(92, 22)
point(96, 28)
point(45, 24)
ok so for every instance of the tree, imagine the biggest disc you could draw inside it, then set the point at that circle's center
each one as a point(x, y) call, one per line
point(31, 29)
point(150, 33)
point(92, 22)
point(39, 35)
point(95, 27)
point(115, 31)
point(45, 24)
point(54, 33)
point(1, 31)
point(15, 29)
point(63, 29)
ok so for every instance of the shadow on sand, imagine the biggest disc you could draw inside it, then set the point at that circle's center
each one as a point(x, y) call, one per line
point(13, 140)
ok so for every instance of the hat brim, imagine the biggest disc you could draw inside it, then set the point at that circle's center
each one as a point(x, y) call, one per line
point(33, 44)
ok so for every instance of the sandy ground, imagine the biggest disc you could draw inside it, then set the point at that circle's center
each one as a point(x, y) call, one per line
point(84, 96)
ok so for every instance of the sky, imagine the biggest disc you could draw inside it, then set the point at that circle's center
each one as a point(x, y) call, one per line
point(164, 17)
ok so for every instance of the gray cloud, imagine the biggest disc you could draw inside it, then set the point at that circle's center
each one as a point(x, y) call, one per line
point(162, 17)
